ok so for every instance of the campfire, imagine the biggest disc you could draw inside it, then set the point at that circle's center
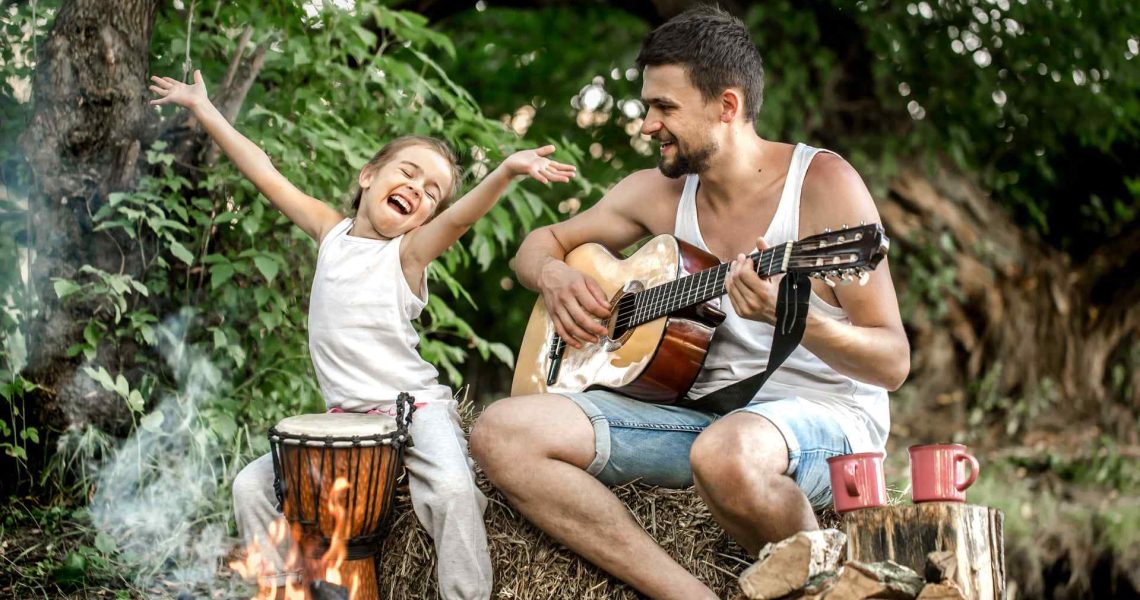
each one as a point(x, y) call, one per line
point(323, 578)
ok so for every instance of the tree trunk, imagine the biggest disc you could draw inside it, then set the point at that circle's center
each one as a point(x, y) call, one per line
point(1019, 325)
point(90, 122)
point(969, 539)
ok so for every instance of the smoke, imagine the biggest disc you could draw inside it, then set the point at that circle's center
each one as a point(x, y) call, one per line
point(158, 494)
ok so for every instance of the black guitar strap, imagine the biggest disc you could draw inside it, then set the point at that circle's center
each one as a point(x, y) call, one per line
point(791, 320)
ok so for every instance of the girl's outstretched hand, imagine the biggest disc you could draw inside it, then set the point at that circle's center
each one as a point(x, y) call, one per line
point(535, 164)
point(173, 91)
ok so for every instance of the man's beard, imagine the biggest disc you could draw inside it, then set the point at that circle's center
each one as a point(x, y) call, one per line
point(685, 163)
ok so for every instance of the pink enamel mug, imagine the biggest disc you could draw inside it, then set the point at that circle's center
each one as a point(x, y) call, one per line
point(937, 472)
point(857, 481)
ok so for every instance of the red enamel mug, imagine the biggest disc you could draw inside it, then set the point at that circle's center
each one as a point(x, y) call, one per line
point(937, 472)
point(857, 481)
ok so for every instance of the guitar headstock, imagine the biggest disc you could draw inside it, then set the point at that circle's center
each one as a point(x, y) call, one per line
point(846, 255)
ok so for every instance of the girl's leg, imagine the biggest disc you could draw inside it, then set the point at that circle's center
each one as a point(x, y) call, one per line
point(255, 510)
point(448, 503)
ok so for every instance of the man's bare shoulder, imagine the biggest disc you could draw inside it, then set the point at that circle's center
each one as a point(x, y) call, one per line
point(648, 197)
point(649, 183)
point(833, 194)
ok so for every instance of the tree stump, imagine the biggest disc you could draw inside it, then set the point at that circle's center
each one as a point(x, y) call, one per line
point(908, 534)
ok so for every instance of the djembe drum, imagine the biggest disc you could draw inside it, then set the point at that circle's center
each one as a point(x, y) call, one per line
point(311, 453)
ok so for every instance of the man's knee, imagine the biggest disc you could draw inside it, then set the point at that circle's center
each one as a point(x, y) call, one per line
point(493, 433)
point(514, 431)
point(744, 449)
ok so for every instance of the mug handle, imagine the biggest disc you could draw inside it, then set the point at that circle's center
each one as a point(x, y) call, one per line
point(849, 479)
point(973, 476)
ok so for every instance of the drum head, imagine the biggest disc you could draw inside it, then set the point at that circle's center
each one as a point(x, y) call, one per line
point(335, 426)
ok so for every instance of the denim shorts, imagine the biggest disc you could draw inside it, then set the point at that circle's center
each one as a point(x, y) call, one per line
point(636, 440)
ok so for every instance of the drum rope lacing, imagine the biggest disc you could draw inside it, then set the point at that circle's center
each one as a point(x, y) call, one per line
point(362, 546)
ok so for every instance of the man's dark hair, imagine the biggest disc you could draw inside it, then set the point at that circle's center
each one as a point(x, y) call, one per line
point(716, 51)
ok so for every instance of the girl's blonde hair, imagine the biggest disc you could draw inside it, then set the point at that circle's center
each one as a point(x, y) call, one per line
point(390, 150)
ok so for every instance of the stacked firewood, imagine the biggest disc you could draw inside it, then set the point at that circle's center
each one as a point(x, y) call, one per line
point(808, 566)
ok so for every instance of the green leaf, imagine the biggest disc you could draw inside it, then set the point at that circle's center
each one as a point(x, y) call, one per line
point(65, 287)
point(267, 266)
point(180, 252)
point(122, 386)
point(220, 274)
point(219, 338)
point(153, 421)
point(72, 572)
point(119, 285)
point(237, 354)
point(503, 353)
point(105, 543)
point(223, 425)
point(102, 377)
point(135, 401)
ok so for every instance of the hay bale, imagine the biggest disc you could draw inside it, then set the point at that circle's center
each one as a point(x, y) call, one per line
point(529, 564)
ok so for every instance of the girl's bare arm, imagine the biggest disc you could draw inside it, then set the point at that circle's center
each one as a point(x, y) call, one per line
point(313, 216)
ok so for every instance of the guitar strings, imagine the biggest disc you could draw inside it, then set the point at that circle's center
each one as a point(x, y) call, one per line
point(665, 295)
point(662, 298)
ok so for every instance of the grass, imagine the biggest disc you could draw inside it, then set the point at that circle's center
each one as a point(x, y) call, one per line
point(54, 552)
point(1063, 520)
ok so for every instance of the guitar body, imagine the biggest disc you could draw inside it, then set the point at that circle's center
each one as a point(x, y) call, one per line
point(656, 361)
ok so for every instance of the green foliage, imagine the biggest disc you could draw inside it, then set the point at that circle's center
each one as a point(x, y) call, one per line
point(932, 272)
point(1037, 399)
point(20, 27)
point(208, 327)
point(58, 552)
point(1016, 97)
point(1039, 98)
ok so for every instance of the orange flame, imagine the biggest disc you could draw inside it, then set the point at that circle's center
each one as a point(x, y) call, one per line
point(256, 564)
point(334, 558)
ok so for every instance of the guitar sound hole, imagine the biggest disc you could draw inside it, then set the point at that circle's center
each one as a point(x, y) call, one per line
point(621, 325)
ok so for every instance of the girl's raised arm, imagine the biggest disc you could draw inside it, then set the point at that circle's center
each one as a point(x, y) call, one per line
point(313, 216)
point(427, 242)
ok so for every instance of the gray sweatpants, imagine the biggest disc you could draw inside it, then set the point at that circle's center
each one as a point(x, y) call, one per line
point(444, 495)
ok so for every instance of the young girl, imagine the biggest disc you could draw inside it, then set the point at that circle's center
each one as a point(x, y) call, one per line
point(368, 287)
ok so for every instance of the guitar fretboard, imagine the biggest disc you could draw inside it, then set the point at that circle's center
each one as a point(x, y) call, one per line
point(671, 296)
point(663, 299)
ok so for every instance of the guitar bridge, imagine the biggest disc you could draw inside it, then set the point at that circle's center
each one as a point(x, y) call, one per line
point(557, 349)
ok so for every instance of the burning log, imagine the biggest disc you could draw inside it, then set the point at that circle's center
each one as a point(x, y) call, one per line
point(323, 590)
point(327, 572)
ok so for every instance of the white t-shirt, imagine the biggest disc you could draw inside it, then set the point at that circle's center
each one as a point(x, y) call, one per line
point(740, 346)
point(361, 337)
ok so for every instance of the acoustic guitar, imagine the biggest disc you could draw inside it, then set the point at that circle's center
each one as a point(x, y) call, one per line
point(664, 307)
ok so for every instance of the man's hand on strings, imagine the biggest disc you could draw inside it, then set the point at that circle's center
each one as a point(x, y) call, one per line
point(753, 297)
point(575, 303)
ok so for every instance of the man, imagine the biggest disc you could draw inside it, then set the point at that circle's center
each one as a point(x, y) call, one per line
point(719, 186)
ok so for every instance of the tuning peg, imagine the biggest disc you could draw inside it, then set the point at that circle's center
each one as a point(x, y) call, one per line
point(829, 281)
point(827, 230)
point(846, 278)
point(864, 277)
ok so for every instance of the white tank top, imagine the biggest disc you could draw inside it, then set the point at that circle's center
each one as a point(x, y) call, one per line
point(740, 346)
point(361, 337)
